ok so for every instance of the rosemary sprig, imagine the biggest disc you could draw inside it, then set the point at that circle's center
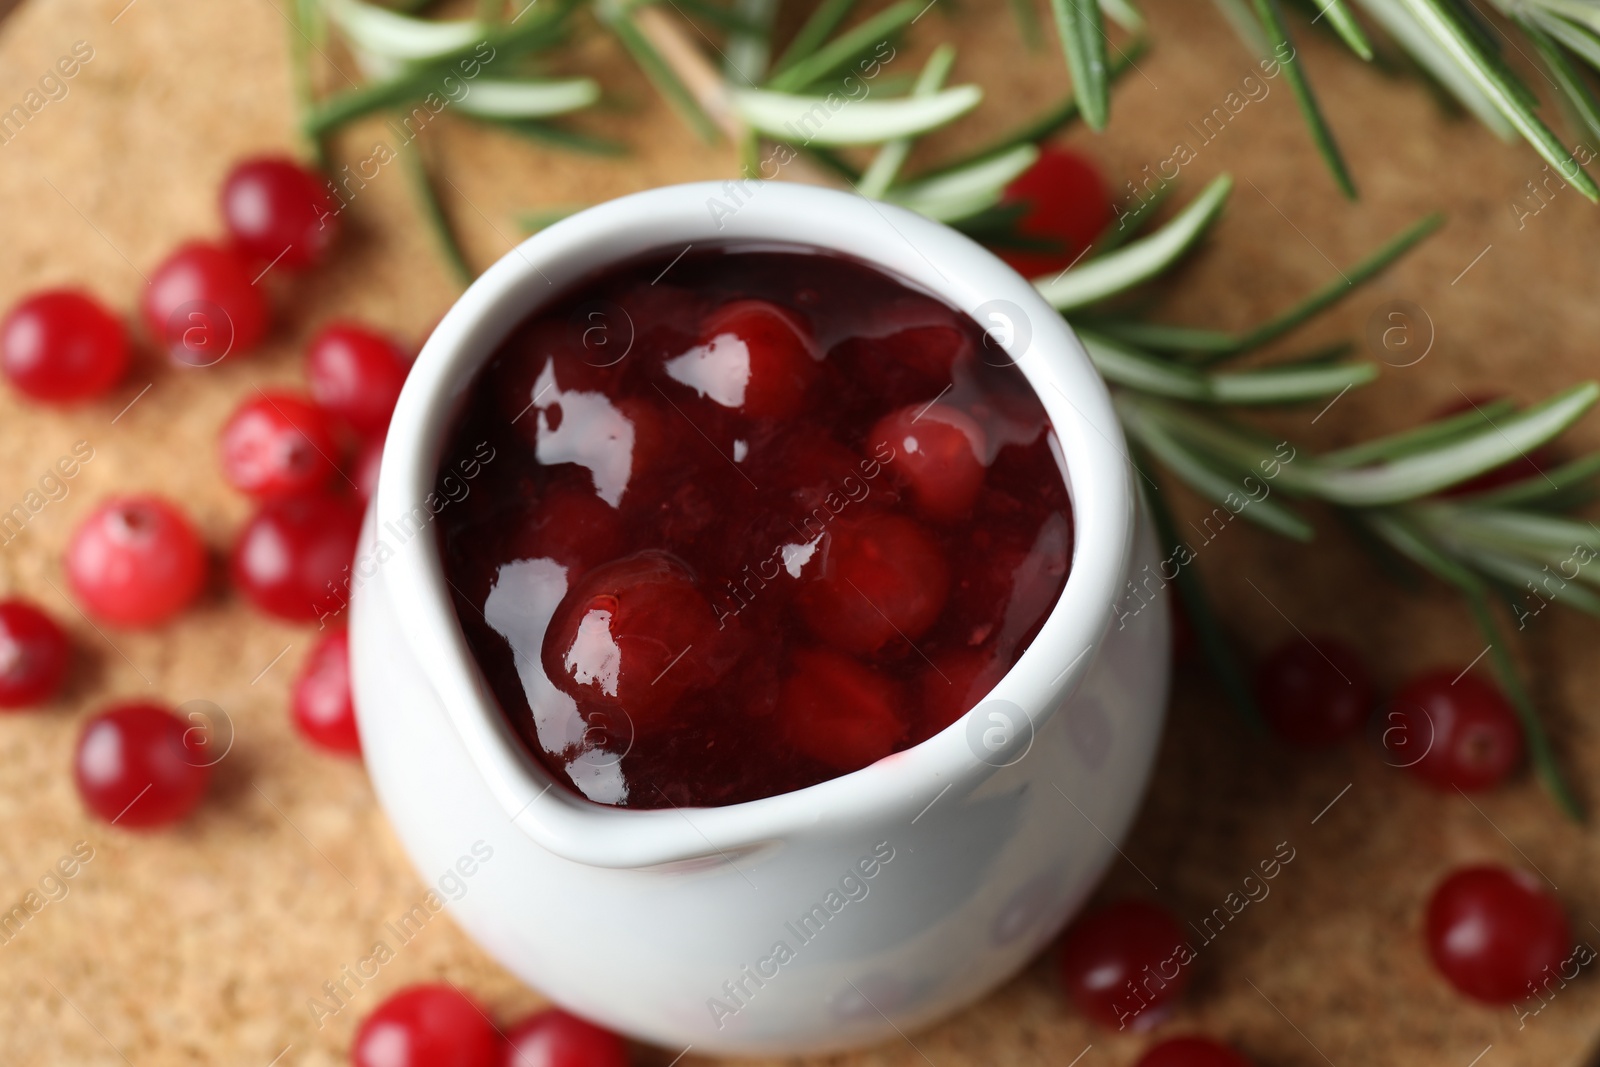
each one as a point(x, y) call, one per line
point(1450, 40)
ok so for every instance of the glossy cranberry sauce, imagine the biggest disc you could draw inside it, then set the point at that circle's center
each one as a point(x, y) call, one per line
point(757, 517)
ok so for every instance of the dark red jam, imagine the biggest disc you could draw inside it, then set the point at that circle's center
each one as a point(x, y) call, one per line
point(751, 518)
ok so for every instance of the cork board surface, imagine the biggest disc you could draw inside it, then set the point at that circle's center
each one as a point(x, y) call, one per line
point(203, 945)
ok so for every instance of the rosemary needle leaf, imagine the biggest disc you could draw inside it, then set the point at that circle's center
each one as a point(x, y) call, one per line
point(658, 70)
point(1130, 222)
point(1083, 39)
point(885, 166)
point(1567, 78)
point(1540, 489)
point(495, 99)
point(817, 29)
point(1344, 23)
point(1293, 69)
point(1426, 52)
point(1449, 463)
point(1140, 260)
point(839, 52)
point(836, 120)
point(396, 36)
point(1288, 385)
point(1408, 442)
point(1520, 575)
point(1123, 14)
point(1490, 78)
point(1219, 345)
point(1205, 476)
point(963, 193)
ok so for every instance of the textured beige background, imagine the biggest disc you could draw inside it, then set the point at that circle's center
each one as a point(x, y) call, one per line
point(202, 945)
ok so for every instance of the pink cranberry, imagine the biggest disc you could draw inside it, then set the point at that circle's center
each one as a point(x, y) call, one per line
point(277, 443)
point(434, 1025)
point(34, 655)
point(136, 561)
point(324, 709)
point(554, 1038)
point(293, 557)
point(140, 766)
point(279, 212)
point(202, 304)
point(356, 374)
point(62, 346)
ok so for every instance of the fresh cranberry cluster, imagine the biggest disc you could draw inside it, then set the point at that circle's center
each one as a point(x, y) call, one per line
point(766, 517)
point(138, 561)
point(437, 1025)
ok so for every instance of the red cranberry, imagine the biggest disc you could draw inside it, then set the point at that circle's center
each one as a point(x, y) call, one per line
point(1453, 732)
point(278, 211)
point(1191, 1052)
point(140, 766)
point(553, 1038)
point(433, 1025)
point(839, 712)
point(1495, 933)
point(1314, 692)
point(136, 561)
point(33, 655)
point(61, 346)
point(202, 305)
point(356, 374)
point(277, 443)
point(1065, 203)
point(324, 710)
point(635, 634)
point(756, 357)
point(1125, 964)
point(293, 557)
point(878, 578)
point(939, 453)
point(369, 462)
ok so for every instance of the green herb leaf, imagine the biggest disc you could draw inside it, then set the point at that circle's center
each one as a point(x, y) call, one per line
point(1345, 25)
point(658, 70)
point(1490, 79)
point(817, 29)
point(839, 52)
point(1443, 465)
point(838, 121)
point(528, 99)
point(386, 33)
point(1083, 39)
point(1140, 260)
point(1278, 36)
point(1430, 434)
point(962, 194)
point(885, 166)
